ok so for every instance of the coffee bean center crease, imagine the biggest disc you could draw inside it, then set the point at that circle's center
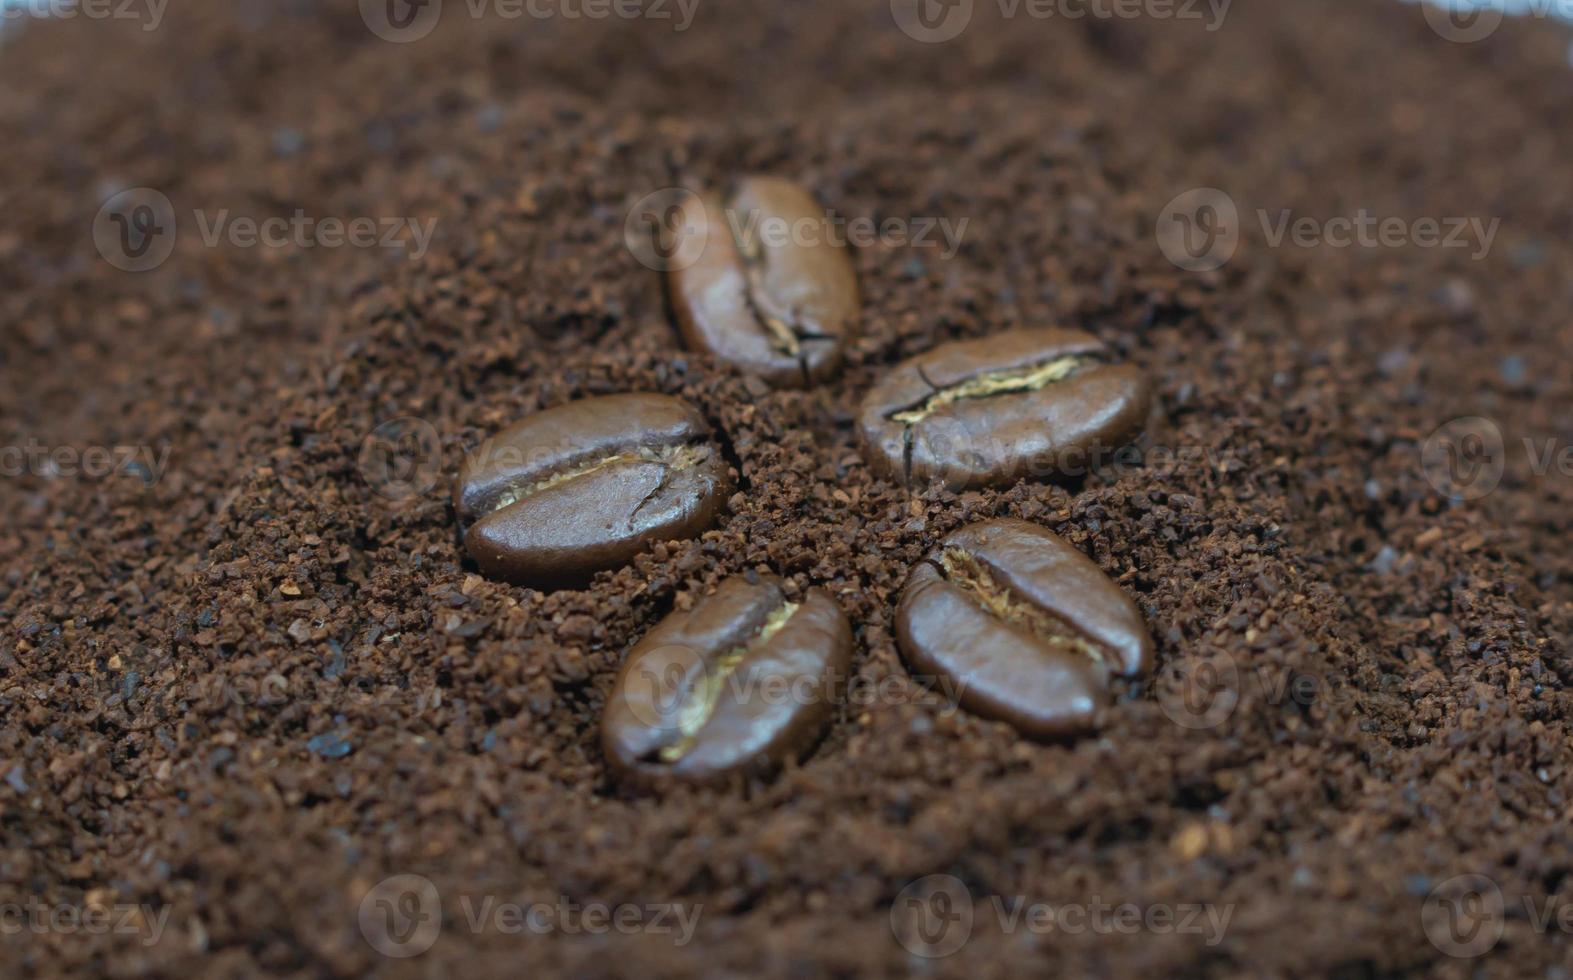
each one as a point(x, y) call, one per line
point(674, 458)
point(784, 328)
point(700, 704)
point(963, 570)
point(993, 383)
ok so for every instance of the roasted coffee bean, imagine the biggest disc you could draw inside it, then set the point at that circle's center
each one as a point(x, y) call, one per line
point(1022, 404)
point(740, 683)
point(770, 291)
point(1021, 627)
point(583, 487)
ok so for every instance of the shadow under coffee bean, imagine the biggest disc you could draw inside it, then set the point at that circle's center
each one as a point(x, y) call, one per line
point(1024, 627)
point(1036, 404)
point(739, 684)
point(584, 487)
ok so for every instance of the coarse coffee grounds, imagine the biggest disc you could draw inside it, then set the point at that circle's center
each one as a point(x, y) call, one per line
point(249, 680)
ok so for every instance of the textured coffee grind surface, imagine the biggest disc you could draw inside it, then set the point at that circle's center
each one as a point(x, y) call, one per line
point(244, 687)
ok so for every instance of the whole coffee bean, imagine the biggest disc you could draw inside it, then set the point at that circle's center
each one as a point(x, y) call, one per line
point(771, 291)
point(1020, 404)
point(1020, 626)
point(740, 683)
point(583, 487)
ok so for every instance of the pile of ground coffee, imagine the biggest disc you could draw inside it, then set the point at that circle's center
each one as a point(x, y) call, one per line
point(248, 677)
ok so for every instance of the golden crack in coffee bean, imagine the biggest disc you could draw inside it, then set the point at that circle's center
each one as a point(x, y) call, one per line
point(672, 457)
point(583, 487)
point(736, 685)
point(786, 335)
point(700, 705)
point(993, 383)
point(1033, 404)
point(976, 581)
